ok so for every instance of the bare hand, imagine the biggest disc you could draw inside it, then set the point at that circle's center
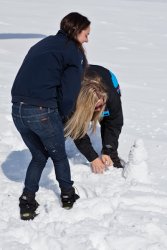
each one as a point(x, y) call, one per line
point(98, 166)
point(106, 159)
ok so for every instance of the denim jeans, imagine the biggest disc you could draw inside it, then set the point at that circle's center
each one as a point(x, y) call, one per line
point(42, 131)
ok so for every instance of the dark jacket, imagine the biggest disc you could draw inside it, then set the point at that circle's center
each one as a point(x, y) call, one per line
point(112, 121)
point(51, 73)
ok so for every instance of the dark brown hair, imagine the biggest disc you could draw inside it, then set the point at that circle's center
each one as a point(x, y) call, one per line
point(73, 24)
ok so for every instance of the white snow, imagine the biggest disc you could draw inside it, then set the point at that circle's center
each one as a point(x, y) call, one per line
point(113, 213)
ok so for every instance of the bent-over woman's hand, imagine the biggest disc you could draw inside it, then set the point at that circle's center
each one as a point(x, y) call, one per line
point(98, 166)
point(106, 159)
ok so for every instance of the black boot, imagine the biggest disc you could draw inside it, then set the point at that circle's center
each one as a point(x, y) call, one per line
point(116, 160)
point(68, 198)
point(28, 206)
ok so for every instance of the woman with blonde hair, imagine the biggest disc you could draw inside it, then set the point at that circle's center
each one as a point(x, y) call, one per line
point(89, 106)
point(98, 100)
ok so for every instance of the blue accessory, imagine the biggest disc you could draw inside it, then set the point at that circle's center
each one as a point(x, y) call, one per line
point(105, 113)
point(114, 80)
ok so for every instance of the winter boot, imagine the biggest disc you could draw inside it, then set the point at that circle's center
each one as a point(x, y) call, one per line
point(28, 206)
point(116, 160)
point(117, 163)
point(68, 198)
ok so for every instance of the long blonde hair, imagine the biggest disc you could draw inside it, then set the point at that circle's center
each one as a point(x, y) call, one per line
point(91, 91)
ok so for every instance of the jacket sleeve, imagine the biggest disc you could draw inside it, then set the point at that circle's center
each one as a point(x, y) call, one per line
point(70, 81)
point(111, 125)
point(84, 145)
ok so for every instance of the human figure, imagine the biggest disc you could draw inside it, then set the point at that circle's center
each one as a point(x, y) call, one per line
point(99, 98)
point(44, 91)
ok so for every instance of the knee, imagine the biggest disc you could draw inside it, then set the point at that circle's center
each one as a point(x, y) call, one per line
point(40, 158)
point(57, 153)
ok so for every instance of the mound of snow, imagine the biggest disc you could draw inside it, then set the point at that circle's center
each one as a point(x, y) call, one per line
point(136, 168)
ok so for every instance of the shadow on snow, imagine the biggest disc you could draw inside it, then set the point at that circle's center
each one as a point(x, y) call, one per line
point(20, 36)
point(15, 167)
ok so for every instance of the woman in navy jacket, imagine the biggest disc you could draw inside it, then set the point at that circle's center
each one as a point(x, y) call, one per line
point(110, 114)
point(45, 89)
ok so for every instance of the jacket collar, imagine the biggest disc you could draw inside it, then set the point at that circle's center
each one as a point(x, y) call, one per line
point(62, 33)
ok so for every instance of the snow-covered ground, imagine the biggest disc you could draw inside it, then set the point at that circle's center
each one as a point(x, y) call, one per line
point(114, 212)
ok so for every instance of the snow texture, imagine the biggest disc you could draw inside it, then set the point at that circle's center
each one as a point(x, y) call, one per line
point(120, 209)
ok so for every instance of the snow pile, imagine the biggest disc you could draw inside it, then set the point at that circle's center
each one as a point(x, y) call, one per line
point(136, 168)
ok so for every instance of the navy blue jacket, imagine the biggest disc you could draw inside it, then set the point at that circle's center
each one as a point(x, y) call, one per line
point(50, 74)
point(112, 120)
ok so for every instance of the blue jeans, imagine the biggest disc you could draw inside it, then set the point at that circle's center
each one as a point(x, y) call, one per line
point(42, 131)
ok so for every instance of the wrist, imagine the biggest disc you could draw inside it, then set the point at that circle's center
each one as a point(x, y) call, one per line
point(92, 157)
